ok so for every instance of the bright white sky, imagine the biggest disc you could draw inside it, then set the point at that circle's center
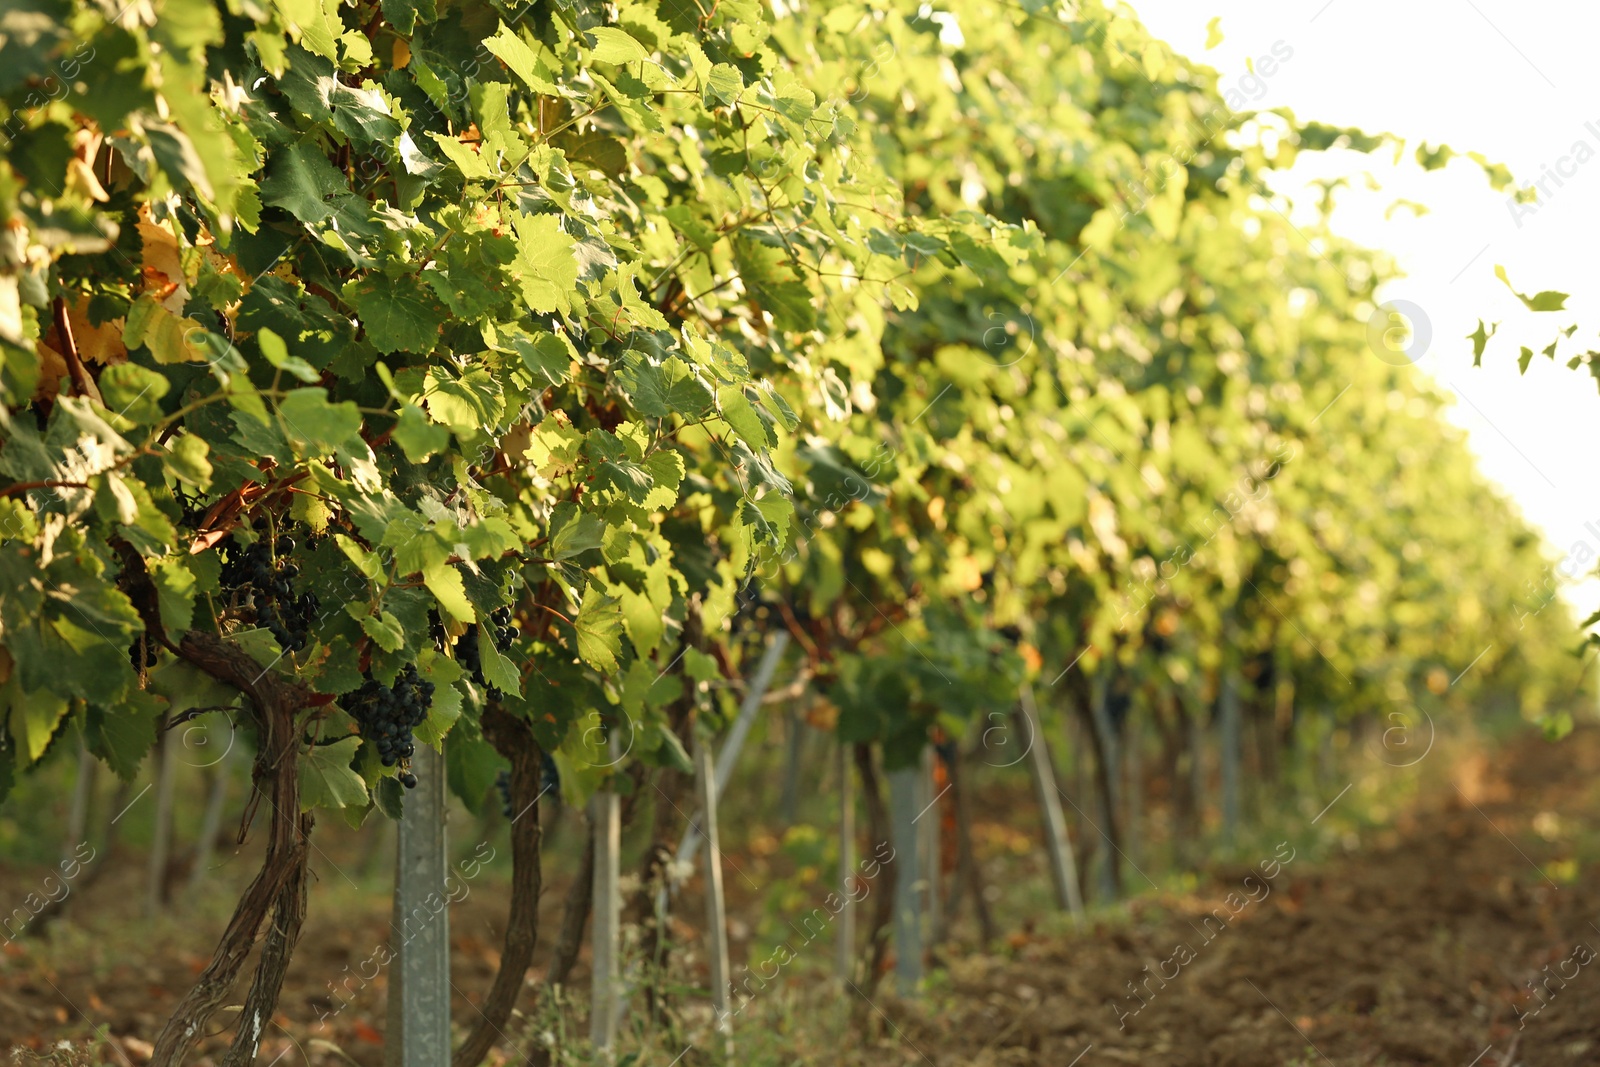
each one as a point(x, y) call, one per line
point(1515, 80)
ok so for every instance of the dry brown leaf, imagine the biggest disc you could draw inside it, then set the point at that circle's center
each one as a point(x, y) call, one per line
point(96, 344)
point(52, 368)
point(162, 267)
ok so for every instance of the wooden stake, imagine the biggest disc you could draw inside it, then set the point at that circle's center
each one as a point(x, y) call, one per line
point(690, 845)
point(82, 794)
point(928, 843)
point(211, 824)
point(1229, 741)
point(716, 915)
point(1063, 864)
point(903, 794)
point(794, 735)
point(606, 1008)
point(1107, 778)
point(845, 950)
point(1197, 774)
point(1133, 788)
point(419, 1009)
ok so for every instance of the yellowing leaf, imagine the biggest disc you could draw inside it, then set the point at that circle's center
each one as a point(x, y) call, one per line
point(168, 338)
point(445, 583)
point(614, 45)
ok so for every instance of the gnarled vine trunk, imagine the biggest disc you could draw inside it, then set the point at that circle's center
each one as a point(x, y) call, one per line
point(273, 702)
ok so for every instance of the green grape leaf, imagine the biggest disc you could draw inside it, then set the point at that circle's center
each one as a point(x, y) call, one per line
point(442, 714)
point(384, 628)
point(400, 314)
point(123, 735)
point(658, 740)
point(545, 266)
point(1480, 341)
point(326, 779)
point(471, 766)
point(467, 159)
point(672, 388)
point(33, 719)
point(573, 532)
point(743, 417)
point(498, 671)
point(300, 180)
point(445, 583)
point(723, 85)
point(134, 392)
point(522, 61)
point(613, 45)
point(598, 628)
point(463, 403)
point(772, 281)
point(176, 586)
point(168, 338)
point(417, 437)
point(547, 356)
point(404, 15)
point(1547, 300)
point(277, 354)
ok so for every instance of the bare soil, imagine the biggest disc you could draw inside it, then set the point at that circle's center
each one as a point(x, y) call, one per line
point(1462, 934)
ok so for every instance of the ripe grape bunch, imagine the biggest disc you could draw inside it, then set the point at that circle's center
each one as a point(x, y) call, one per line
point(467, 646)
point(388, 714)
point(267, 580)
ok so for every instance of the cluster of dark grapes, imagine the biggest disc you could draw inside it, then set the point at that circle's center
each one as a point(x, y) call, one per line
point(270, 585)
point(387, 715)
point(466, 650)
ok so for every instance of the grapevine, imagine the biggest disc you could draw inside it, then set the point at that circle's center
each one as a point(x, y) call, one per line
point(580, 346)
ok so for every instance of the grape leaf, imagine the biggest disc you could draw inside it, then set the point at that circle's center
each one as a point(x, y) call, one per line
point(326, 780)
point(772, 281)
point(523, 62)
point(599, 629)
point(400, 314)
point(573, 532)
point(613, 45)
point(498, 671)
point(545, 266)
point(300, 180)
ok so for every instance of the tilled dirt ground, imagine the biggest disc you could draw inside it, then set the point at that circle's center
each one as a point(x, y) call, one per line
point(1448, 943)
point(1463, 934)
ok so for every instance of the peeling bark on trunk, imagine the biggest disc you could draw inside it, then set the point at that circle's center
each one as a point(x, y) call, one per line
point(288, 916)
point(274, 701)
